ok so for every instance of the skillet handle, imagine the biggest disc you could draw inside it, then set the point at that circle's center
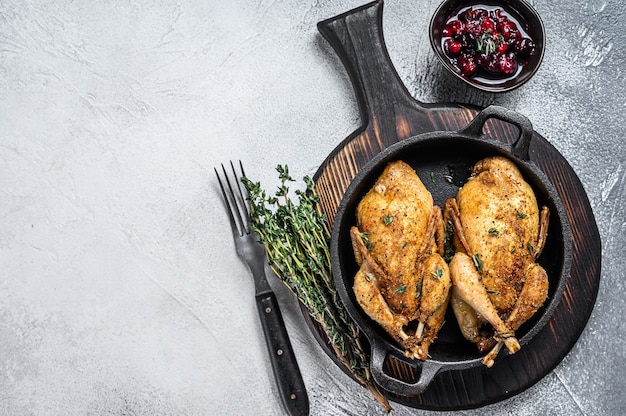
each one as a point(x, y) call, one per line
point(521, 146)
point(427, 370)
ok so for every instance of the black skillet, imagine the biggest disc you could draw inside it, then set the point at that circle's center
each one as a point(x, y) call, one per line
point(443, 161)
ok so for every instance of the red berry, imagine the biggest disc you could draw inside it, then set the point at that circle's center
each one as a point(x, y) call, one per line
point(488, 24)
point(525, 47)
point(501, 48)
point(480, 13)
point(509, 30)
point(507, 65)
point(467, 65)
point(505, 29)
point(453, 28)
point(494, 64)
point(498, 16)
point(453, 47)
point(482, 60)
point(474, 28)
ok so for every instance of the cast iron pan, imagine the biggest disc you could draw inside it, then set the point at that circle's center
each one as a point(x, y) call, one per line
point(390, 114)
point(443, 161)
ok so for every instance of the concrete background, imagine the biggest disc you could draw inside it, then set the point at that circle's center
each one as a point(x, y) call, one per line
point(120, 289)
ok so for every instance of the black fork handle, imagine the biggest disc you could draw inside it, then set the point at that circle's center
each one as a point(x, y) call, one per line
point(286, 371)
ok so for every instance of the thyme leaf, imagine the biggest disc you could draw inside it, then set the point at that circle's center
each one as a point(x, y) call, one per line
point(366, 241)
point(478, 263)
point(438, 273)
point(388, 219)
point(486, 43)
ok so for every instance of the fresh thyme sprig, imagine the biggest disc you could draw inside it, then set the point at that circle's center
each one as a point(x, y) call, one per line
point(297, 239)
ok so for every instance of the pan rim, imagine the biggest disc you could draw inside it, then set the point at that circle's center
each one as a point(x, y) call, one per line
point(394, 152)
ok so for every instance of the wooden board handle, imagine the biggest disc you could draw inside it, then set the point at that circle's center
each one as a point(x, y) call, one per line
point(357, 38)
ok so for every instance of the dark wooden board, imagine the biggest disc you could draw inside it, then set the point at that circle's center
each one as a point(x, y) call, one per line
point(391, 114)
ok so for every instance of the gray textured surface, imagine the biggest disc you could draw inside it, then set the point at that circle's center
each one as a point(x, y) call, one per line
point(120, 290)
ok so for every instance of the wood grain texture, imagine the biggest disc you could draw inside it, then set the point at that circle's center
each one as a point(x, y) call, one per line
point(389, 115)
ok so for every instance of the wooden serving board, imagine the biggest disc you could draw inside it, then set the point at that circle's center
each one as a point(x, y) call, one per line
point(391, 114)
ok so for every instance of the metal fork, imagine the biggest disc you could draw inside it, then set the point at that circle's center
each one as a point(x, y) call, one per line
point(284, 365)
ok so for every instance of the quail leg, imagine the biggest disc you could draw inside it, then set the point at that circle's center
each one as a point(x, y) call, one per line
point(468, 287)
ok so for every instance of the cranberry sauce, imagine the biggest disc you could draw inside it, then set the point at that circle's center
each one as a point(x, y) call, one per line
point(486, 43)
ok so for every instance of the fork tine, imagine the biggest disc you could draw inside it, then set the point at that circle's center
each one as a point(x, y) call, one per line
point(233, 222)
point(234, 198)
point(230, 202)
point(239, 199)
point(242, 193)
